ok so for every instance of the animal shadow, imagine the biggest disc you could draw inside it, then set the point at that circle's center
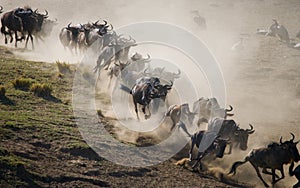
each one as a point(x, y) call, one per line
point(6, 101)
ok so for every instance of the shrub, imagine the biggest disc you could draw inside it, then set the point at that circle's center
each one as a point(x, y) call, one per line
point(41, 90)
point(22, 83)
point(63, 67)
point(2, 91)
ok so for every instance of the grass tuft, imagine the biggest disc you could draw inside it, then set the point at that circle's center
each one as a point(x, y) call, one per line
point(23, 83)
point(41, 90)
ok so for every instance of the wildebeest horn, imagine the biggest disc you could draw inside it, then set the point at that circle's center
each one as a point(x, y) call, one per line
point(105, 22)
point(1, 8)
point(69, 24)
point(230, 109)
point(229, 114)
point(111, 27)
point(280, 140)
point(293, 137)
point(96, 22)
point(250, 131)
point(35, 11)
point(45, 15)
point(148, 57)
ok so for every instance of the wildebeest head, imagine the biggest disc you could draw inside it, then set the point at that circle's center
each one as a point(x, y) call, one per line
point(163, 90)
point(40, 18)
point(292, 148)
point(75, 30)
point(241, 136)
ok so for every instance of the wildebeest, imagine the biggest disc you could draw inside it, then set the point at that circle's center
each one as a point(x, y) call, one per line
point(46, 29)
point(272, 157)
point(32, 23)
point(144, 91)
point(22, 20)
point(209, 108)
point(296, 173)
point(215, 148)
point(12, 22)
point(228, 129)
point(179, 112)
point(69, 36)
point(279, 30)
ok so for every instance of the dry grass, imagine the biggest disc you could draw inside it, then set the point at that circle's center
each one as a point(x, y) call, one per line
point(22, 83)
point(41, 90)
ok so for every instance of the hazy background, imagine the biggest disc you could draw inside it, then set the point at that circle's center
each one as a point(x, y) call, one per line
point(262, 80)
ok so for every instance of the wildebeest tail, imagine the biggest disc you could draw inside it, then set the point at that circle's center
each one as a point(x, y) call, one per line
point(125, 88)
point(237, 164)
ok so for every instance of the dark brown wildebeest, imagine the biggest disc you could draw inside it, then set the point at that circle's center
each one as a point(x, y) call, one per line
point(296, 173)
point(228, 129)
point(272, 157)
point(12, 22)
point(144, 91)
point(216, 148)
point(32, 23)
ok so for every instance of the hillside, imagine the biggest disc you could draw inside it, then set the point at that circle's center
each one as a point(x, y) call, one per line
point(42, 147)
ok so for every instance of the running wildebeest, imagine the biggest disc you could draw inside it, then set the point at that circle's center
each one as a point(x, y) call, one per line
point(279, 30)
point(272, 157)
point(144, 91)
point(215, 148)
point(12, 22)
point(228, 129)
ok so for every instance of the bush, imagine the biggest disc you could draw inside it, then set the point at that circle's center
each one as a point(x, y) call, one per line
point(63, 67)
point(23, 83)
point(2, 91)
point(41, 90)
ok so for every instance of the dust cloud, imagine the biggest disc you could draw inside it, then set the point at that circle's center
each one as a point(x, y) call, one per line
point(262, 77)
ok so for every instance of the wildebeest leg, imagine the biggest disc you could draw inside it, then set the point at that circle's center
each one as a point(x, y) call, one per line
point(282, 175)
point(16, 39)
point(265, 171)
point(230, 149)
point(136, 109)
point(258, 174)
point(193, 139)
point(199, 157)
point(182, 125)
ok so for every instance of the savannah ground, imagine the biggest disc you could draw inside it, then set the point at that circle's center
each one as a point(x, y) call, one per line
point(40, 142)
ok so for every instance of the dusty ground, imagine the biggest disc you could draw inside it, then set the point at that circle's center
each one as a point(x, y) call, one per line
point(262, 83)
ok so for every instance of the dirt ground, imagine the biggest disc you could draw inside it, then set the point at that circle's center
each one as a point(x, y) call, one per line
point(261, 78)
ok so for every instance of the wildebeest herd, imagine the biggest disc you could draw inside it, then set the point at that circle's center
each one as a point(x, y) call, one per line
point(26, 22)
point(146, 83)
